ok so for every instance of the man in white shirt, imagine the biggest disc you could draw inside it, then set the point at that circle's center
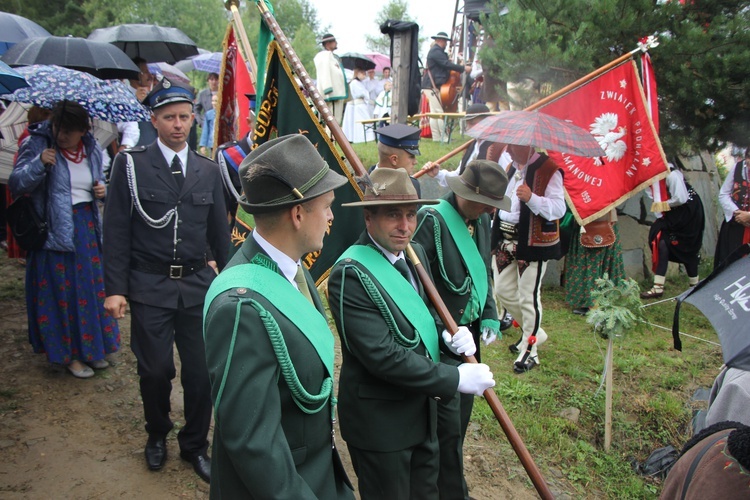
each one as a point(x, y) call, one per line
point(523, 240)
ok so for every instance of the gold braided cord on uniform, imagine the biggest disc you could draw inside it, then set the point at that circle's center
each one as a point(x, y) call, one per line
point(377, 298)
point(437, 233)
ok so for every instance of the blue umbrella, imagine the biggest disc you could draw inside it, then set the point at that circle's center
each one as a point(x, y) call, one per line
point(210, 63)
point(108, 100)
point(15, 28)
point(10, 80)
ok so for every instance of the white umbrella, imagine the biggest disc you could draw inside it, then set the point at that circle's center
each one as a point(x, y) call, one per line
point(14, 121)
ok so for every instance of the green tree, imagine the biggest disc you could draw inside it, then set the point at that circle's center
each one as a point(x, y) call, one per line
point(299, 21)
point(703, 94)
point(394, 9)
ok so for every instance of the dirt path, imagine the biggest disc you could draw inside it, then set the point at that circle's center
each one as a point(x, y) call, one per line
point(61, 437)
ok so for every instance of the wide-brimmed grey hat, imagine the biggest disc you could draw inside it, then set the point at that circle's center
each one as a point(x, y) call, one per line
point(442, 35)
point(390, 186)
point(483, 181)
point(284, 172)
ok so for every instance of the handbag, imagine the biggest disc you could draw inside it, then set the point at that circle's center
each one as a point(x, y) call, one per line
point(29, 228)
point(598, 234)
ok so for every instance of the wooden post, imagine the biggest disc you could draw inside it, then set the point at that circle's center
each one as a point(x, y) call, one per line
point(401, 71)
point(608, 397)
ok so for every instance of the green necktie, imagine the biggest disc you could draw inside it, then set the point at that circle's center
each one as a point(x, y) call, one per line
point(403, 268)
point(299, 278)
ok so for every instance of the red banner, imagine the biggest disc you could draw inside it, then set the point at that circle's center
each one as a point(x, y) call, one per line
point(226, 120)
point(613, 108)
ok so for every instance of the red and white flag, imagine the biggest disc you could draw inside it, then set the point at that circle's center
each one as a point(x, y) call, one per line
point(613, 108)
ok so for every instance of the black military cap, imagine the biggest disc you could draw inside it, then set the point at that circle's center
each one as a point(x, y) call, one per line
point(400, 136)
point(169, 92)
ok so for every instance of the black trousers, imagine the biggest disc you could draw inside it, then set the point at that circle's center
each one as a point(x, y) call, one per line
point(154, 332)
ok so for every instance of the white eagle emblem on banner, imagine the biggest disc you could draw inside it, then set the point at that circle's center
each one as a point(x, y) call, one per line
point(608, 134)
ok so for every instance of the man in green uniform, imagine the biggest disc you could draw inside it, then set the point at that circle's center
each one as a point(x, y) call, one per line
point(269, 350)
point(391, 377)
point(456, 237)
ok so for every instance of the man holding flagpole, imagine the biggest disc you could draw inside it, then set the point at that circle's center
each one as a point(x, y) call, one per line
point(391, 375)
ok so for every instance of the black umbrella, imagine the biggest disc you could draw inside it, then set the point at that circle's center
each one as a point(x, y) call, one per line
point(724, 298)
point(15, 28)
point(102, 60)
point(355, 60)
point(148, 41)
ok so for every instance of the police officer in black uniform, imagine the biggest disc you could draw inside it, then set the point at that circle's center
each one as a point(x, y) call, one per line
point(166, 236)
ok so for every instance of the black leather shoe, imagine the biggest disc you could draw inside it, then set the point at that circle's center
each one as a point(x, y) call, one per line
point(156, 452)
point(514, 347)
point(506, 322)
point(581, 311)
point(201, 464)
point(526, 366)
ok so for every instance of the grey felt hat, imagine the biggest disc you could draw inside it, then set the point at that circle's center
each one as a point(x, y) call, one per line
point(285, 172)
point(390, 186)
point(483, 181)
point(442, 35)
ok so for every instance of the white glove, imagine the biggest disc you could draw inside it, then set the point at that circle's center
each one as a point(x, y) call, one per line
point(474, 378)
point(461, 343)
point(488, 336)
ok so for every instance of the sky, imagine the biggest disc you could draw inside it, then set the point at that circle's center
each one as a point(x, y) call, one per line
point(351, 20)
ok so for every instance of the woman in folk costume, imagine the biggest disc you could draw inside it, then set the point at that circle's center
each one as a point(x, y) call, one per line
point(356, 110)
point(734, 198)
point(60, 167)
point(677, 233)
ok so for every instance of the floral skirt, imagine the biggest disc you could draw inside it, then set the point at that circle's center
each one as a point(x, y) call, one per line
point(584, 265)
point(65, 298)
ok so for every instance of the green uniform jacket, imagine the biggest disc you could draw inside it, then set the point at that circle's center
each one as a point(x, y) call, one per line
point(264, 446)
point(455, 269)
point(386, 391)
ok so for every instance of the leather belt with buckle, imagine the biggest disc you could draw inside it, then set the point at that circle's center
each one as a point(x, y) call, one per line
point(173, 271)
point(510, 231)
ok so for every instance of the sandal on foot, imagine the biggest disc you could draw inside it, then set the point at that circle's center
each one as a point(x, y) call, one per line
point(654, 293)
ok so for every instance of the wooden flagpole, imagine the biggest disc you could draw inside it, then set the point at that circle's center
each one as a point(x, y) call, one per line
point(359, 169)
point(232, 6)
point(550, 98)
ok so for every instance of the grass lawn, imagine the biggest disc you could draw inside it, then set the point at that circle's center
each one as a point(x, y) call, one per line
point(653, 385)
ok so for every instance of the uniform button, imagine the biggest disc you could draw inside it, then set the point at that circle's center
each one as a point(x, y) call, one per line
point(460, 311)
point(179, 259)
point(204, 199)
point(179, 221)
point(242, 291)
point(179, 240)
point(437, 398)
point(179, 202)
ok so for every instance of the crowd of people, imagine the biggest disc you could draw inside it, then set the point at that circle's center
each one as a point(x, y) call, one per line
point(251, 332)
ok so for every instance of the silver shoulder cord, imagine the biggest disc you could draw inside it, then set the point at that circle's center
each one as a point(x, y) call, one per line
point(156, 224)
point(225, 176)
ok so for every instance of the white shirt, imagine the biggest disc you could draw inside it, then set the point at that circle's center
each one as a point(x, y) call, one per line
point(442, 175)
point(725, 193)
point(81, 181)
point(551, 206)
point(286, 265)
point(169, 153)
point(392, 258)
point(130, 133)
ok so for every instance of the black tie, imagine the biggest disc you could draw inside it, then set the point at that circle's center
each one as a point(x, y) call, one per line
point(177, 171)
point(401, 267)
